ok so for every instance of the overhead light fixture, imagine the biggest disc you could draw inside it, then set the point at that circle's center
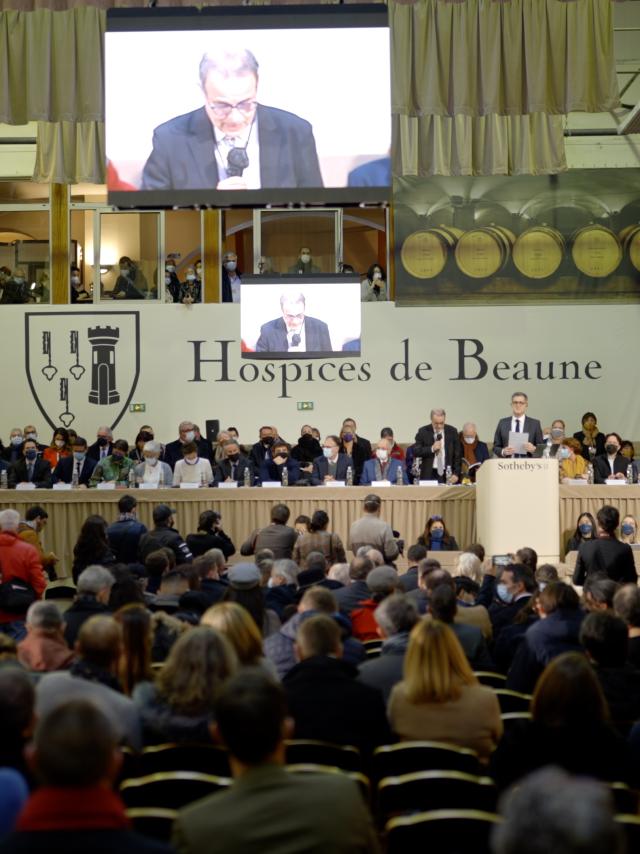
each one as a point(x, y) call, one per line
point(631, 122)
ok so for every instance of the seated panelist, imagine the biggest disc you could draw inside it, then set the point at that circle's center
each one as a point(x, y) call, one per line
point(383, 466)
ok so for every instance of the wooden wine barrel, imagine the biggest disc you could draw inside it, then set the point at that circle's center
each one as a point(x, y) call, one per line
point(425, 253)
point(538, 252)
point(483, 252)
point(630, 239)
point(596, 251)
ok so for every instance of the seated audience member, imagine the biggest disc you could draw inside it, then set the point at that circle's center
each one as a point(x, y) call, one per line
point(156, 564)
point(373, 287)
point(151, 469)
point(277, 536)
point(59, 449)
point(381, 582)
point(231, 278)
point(282, 587)
point(420, 595)
point(76, 759)
point(315, 573)
point(591, 439)
point(173, 586)
point(396, 450)
point(103, 445)
point(579, 817)
point(210, 568)
point(319, 539)
point(233, 465)
point(192, 468)
point(17, 702)
point(260, 451)
point(114, 468)
point(605, 555)
point(436, 538)
point(44, 647)
point(598, 593)
point(395, 617)
point(30, 432)
point(610, 465)
point(92, 546)
point(439, 698)
point(545, 574)
point(30, 468)
point(513, 591)
point(605, 640)
point(93, 590)
point(409, 579)
point(137, 643)
point(629, 530)
point(527, 557)
point(339, 572)
point(585, 530)
point(383, 466)
point(569, 728)
point(267, 808)
point(307, 450)
point(474, 452)
point(557, 631)
point(573, 465)
point(627, 450)
point(443, 607)
point(36, 519)
point(145, 434)
point(302, 524)
point(333, 463)
point(78, 464)
point(279, 647)
point(235, 624)
point(354, 446)
point(279, 459)
point(20, 561)
point(124, 534)
point(626, 604)
point(470, 566)
point(191, 289)
point(325, 700)
point(244, 588)
point(180, 705)
point(13, 450)
point(349, 597)
point(210, 535)
point(164, 535)
point(93, 676)
point(371, 530)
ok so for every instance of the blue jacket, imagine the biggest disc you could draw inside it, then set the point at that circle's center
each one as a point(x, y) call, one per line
point(369, 472)
point(271, 471)
point(124, 537)
point(544, 641)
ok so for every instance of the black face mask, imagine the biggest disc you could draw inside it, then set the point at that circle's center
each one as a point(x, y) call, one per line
point(233, 458)
point(283, 455)
point(146, 437)
point(102, 441)
point(268, 442)
point(307, 439)
point(611, 449)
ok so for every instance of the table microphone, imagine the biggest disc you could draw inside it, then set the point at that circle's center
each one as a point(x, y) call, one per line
point(237, 162)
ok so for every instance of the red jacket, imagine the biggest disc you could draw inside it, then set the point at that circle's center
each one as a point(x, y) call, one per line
point(19, 560)
point(363, 624)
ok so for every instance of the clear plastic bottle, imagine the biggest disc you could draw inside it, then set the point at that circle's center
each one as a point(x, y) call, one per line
point(590, 474)
point(546, 454)
point(203, 479)
point(416, 468)
point(247, 476)
point(448, 475)
point(4, 480)
point(285, 476)
point(160, 477)
point(399, 477)
point(132, 478)
point(349, 476)
point(629, 473)
point(75, 480)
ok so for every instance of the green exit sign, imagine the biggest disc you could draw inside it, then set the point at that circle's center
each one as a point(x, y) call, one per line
point(137, 407)
point(305, 405)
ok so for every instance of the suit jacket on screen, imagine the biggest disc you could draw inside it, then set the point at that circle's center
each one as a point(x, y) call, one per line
point(273, 336)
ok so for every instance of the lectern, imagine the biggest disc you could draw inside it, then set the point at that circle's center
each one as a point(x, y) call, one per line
point(517, 504)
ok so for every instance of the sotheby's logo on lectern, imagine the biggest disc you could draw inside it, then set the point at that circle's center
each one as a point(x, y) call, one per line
point(82, 364)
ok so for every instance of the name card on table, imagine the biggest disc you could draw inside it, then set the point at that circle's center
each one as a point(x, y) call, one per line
point(25, 485)
point(271, 484)
point(106, 484)
point(228, 484)
point(576, 481)
point(189, 485)
point(335, 483)
point(148, 485)
point(380, 484)
point(61, 485)
point(430, 483)
point(611, 481)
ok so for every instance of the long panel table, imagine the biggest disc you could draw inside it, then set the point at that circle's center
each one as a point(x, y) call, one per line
point(406, 508)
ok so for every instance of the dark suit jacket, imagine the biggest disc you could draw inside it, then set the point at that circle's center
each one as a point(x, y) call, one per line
point(321, 468)
point(93, 451)
point(602, 470)
point(41, 473)
point(360, 453)
point(183, 152)
point(501, 438)
point(425, 438)
point(605, 556)
point(222, 471)
point(64, 470)
point(273, 336)
point(272, 471)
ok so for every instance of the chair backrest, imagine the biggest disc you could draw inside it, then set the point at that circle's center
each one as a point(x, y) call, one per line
point(491, 679)
point(189, 756)
point(156, 823)
point(625, 799)
point(446, 831)
point(513, 719)
point(512, 701)
point(313, 768)
point(343, 756)
point(630, 825)
point(435, 790)
point(170, 790)
point(407, 757)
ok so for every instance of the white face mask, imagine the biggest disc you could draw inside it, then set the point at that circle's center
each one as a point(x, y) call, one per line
point(469, 439)
point(75, 280)
point(190, 462)
point(382, 454)
point(191, 277)
point(328, 452)
point(33, 436)
point(151, 461)
point(305, 258)
point(199, 271)
point(59, 443)
point(189, 436)
point(231, 266)
point(167, 280)
point(124, 271)
point(170, 268)
point(377, 276)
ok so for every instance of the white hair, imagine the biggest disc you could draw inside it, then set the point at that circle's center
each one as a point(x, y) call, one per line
point(95, 578)
point(438, 412)
point(287, 569)
point(469, 565)
point(340, 572)
point(469, 425)
point(9, 520)
point(44, 615)
point(106, 430)
point(152, 447)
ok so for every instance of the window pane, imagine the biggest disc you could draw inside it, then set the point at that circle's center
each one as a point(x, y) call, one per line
point(182, 245)
point(364, 238)
point(134, 237)
point(81, 255)
point(285, 233)
point(24, 255)
point(237, 230)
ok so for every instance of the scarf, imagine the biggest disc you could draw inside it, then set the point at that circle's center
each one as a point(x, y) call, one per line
point(51, 808)
point(469, 452)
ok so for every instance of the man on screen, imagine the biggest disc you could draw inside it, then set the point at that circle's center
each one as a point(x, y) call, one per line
point(232, 142)
point(294, 332)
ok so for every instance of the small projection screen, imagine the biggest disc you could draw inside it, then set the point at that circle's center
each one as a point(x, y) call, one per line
point(247, 106)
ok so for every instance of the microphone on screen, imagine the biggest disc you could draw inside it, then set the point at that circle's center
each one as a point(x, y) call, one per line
point(237, 162)
point(295, 340)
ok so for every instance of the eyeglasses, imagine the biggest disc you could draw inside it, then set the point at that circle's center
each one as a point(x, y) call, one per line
point(222, 109)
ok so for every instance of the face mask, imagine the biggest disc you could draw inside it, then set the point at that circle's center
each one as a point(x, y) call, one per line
point(437, 533)
point(377, 276)
point(542, 585)
point(167, 280)
point(586, 528)
point(151, 461)
point(124, 271)
point(469, 439)
point(16, 440)
point(503, 594)
point(268, 441)
point(557, 433)
point(348, 437)
point(33, 436)
point(146, 437)
point(118, 456)
point(199, 271)
point(18, 280)
point(381, 454)
point(233, 458)
point(563, 454)
point(191, 462)
point(79, 456)
point(75, 280)
point(270, 583)
point(189, 436)
point(611, 449)
point(328, 452)
point(627, 528)
point(59, 443)
point(283, 454)
point(231, 266)
point(305, 258)
point(191, 277)
point(170, 268)
point(31, 454)
point(103, 441)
